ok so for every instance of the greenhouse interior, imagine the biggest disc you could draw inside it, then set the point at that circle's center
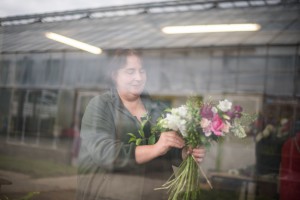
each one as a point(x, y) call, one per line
point(46, 85)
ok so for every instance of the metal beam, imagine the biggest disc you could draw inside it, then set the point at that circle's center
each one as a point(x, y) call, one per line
point(77, 14)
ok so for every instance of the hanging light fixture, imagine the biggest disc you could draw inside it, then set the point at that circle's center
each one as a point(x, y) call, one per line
point(210, 28)
point(73, 43)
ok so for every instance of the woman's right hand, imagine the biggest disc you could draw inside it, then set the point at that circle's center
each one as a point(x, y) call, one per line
point(168, 140)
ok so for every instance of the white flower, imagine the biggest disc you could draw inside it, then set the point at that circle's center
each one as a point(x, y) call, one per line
point(170, 122)
point(181, 111)
point(182, 128)
point(224, 105)
point(239, 131)
point(214, 110)
point(174, 122)
point(207, 133)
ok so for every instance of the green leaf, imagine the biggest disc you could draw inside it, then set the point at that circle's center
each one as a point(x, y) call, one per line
point(132, 140)
point(141, 132)
point(151, 139)
point(168, 110)
point(138, 141)
point(143, 123)
point(132, 135)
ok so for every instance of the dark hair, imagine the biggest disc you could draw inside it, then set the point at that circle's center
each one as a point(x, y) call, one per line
point(118, 60)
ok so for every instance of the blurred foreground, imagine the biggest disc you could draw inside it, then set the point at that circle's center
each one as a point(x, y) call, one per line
point(47, 188)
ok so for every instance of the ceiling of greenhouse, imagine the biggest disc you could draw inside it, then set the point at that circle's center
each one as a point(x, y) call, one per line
point(280, 25)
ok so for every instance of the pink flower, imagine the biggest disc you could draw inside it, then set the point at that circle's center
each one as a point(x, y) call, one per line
point(217, 125)
point(205, 123)
point(226, 127)
point(206, 126)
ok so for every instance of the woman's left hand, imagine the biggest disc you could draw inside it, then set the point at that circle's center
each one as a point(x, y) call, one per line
point(198, 153)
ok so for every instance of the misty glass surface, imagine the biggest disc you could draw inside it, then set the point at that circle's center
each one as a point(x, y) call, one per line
point(45, 88)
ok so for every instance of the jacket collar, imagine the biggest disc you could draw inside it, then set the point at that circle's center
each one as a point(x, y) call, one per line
point(145, 97)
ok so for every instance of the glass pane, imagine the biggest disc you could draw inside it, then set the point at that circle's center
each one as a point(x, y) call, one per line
point(4, 72)
point(53, 124)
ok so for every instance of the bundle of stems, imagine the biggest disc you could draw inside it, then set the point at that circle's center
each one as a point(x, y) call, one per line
point(185, 183)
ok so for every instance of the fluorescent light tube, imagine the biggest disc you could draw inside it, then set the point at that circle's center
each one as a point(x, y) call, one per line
point(210, 28)
point(73, 43)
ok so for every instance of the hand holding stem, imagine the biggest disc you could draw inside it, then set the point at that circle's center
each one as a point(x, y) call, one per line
point(197, 153)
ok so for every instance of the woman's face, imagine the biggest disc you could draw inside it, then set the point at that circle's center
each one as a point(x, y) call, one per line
point(130, 79)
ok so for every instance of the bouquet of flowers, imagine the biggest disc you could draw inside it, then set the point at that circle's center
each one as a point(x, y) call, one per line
point(199, 123)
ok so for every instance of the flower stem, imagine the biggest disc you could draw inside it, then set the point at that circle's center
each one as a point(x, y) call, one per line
point(202, 172)
point(184, 185)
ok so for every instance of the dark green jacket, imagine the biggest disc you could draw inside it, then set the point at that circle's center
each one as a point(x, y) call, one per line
point(107, 166)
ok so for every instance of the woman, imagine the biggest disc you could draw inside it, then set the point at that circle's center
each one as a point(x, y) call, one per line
point(110, 167)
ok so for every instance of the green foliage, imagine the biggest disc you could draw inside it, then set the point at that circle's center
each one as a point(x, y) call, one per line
point(151, 139)
point(194, 102)
point(157, 128)
point(240, 124)
point(194, 139)
point(141, 139)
